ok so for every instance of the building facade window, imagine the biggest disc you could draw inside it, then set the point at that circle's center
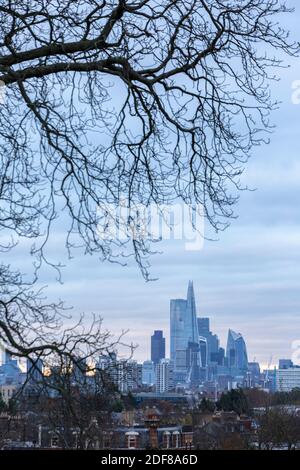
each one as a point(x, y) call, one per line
point(132, 440)
point(166, 440)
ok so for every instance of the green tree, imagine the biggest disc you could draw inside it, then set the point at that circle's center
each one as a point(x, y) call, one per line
point(207, 406)
point(235, 400)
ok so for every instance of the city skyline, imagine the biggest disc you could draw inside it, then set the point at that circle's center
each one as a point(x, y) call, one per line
point(183, 333)
point(234, 339)
point(141, 324)
point(220, 332)
point(150, 228)
point(249, 279)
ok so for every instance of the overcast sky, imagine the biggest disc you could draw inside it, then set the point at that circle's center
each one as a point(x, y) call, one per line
point(249, 280)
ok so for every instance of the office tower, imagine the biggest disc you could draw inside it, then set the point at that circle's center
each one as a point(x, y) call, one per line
point(164, 376)
point(158, 346)
point(183, 330)
point(254, 373)
point(178, 340)
point(212, 340)
point(193, 363)
point(204, 359)
point(148, 373)
point(203, 350)
point(287, 379)
point(218, 357)
point(203, 326)
point(285, 364)
point(236, 351)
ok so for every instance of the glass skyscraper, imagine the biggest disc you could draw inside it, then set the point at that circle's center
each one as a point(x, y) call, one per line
point(203, 351)
point(148, 373)
point(212, 340)
point(236, 351)
point(183, 334)
point(158, 346)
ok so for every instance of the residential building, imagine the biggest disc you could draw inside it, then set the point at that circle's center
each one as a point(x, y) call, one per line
point(129, 376)
point(164, 376)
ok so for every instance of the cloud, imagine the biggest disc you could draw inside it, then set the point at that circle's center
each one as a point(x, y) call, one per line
point(249, 280)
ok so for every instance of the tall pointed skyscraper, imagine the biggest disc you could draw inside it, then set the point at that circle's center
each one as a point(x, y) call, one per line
point(191, 311)
point(184, 338)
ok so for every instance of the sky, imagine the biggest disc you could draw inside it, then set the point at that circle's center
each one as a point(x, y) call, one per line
point(248, 280)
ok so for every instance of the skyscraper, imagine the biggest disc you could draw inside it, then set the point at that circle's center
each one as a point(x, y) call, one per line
point(184, 333)
point(254, 375)
point(211, 339)
point(203, 326)
point(158, 346)
point(203, 350)
point(236, 351)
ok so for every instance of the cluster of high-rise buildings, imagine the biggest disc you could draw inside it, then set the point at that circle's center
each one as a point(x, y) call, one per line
point(196, 357)
point(197, 361)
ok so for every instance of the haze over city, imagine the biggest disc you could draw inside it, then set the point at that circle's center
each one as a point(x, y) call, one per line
point(149, 229)
point(249, 279)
